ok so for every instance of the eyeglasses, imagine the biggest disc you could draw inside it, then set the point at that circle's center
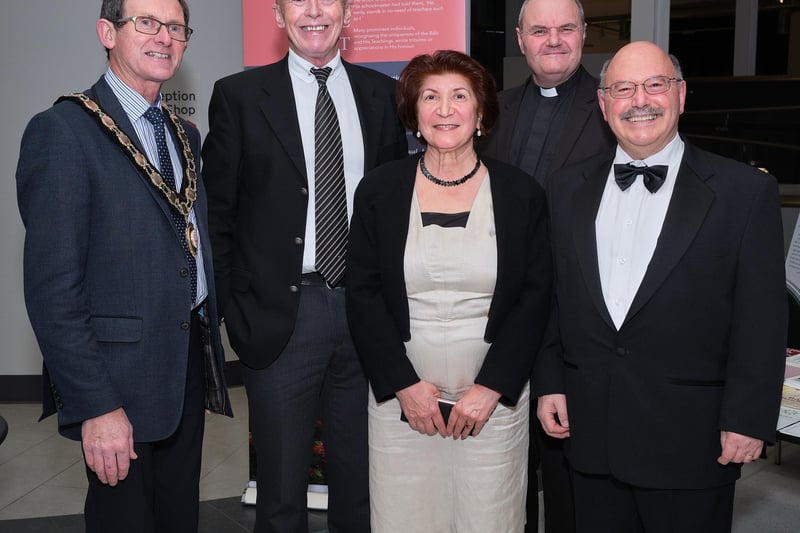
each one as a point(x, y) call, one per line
point(151, 26)
point(654, 85)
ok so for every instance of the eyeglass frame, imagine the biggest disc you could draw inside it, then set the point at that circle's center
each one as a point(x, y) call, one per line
point(610, 89)
point(189, 31)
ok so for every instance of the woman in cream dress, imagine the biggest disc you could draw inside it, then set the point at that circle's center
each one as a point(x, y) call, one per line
point(448, 289)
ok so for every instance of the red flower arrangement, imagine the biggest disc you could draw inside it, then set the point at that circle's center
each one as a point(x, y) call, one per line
point(316, 472)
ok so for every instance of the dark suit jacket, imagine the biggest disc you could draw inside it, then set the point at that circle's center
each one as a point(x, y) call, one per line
point(377, 302)
point(584, 132)
point(257, 186)
point(702, 348)
point(105, 273)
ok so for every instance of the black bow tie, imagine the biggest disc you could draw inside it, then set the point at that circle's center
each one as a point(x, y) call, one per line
point(654, 176)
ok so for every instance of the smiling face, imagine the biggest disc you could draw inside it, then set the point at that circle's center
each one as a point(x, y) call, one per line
point(447, 112)
point(313, 26)
point(645, 123)
point(144, 62)
point(550, 36)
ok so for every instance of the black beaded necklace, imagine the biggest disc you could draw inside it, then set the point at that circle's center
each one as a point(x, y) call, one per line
point(445, 183)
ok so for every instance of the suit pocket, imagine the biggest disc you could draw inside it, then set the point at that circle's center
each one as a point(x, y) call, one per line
point(117, 328)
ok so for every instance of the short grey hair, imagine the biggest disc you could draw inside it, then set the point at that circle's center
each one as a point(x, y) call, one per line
point(675, 64)
point(525, 3)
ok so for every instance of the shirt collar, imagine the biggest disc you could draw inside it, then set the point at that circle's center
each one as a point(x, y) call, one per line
point(669, 155)
point(559, 90)
point(133, 103)
point(301, 69)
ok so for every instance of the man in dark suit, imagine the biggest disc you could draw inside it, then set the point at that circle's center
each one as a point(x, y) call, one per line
point(283, 304)
point(118, 279)
point(550, 121)
point(665, 361)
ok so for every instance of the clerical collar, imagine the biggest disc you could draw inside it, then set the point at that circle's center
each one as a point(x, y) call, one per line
point(564, 89)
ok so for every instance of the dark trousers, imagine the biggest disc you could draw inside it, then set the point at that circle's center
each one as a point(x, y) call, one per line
point(559, 506)
point(317, 374)
point(161, 492)
point(603, 504)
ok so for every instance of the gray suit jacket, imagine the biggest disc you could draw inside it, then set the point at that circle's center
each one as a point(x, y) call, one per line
point(105, 273)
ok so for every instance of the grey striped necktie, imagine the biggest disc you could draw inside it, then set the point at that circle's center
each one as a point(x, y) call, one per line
point(329, 188)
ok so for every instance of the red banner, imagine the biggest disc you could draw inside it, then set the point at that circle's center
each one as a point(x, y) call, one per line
point(379, 31)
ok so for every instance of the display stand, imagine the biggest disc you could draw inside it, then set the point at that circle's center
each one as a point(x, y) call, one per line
point(317, 495)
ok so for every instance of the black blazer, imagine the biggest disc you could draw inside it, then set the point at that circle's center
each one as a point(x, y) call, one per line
point(377, 303)
point(583, 134)
point(702, 348)
point(256, 180)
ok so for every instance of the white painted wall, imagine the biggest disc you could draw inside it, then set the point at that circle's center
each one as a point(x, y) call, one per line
point(50, 48)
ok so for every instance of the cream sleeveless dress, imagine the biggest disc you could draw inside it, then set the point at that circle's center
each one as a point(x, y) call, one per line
point(430, 484)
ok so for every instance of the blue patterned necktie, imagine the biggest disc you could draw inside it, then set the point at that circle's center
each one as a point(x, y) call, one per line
point(156, 117)
point(330, 202)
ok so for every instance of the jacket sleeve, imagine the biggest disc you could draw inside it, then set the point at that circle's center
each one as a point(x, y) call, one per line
point(221, 159)
point(520, 327)
point(375, 333)
point(757, 349)
point(54, 197)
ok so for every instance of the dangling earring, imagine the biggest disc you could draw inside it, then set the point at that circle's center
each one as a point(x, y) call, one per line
point(479, 132)
point(418, 134)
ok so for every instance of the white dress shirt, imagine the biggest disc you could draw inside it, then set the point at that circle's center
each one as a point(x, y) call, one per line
point(628, 224)
point(305, 88)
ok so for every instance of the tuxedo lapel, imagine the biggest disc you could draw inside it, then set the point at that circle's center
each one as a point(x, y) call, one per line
point(586, 204)
point(691, 200)
point(278, 108)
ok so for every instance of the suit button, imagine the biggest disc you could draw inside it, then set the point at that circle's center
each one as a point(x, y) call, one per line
point(303, 191)
point(185, 326)
point(298, 241)
point(184, 272)
point(622, 352)
point(294, 288)
point(59, 405)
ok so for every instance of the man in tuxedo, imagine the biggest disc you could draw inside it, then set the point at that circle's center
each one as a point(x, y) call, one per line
point(274, 220)
point(550, 121)
point(664, 362)
point(118, 279)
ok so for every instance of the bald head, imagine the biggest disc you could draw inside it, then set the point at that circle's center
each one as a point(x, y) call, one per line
point(643, 123)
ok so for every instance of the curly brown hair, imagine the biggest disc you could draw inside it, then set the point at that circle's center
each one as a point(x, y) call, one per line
point(419, 68)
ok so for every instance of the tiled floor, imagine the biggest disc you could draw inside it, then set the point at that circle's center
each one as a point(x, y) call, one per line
point(43, 484)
